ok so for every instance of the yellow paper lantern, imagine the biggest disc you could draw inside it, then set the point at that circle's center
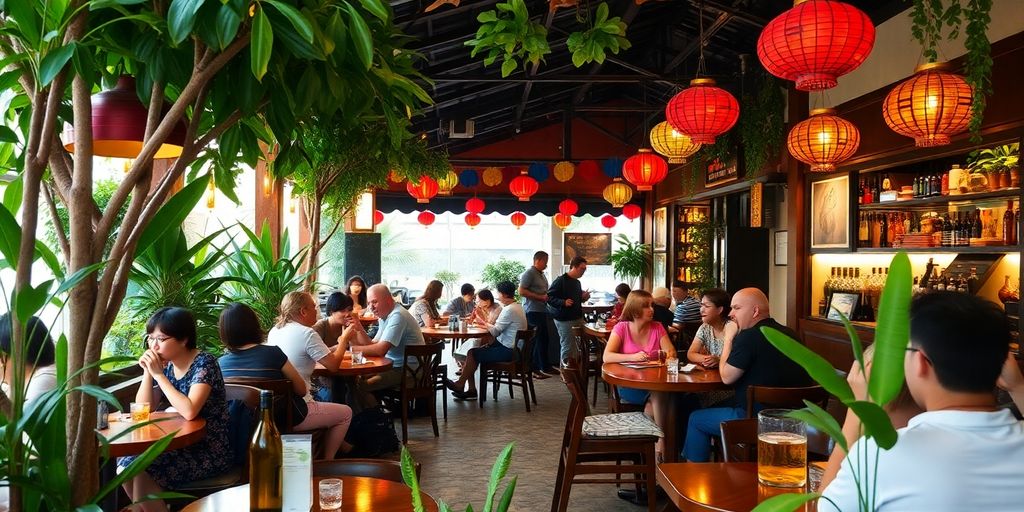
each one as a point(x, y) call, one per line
point(823, 140)
point(562, 220)
point(492, 176)
point(931, 106)
point(672, 144)
point(564, 171)
point(617, 193)
point(446, 183)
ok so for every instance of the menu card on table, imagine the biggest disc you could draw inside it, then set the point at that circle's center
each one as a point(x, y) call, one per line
point(297, 472)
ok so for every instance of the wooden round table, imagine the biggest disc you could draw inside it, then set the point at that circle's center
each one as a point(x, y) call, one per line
point(372, 365)
point(717, 486)
point(359, 494)
point(657, 378)
point(441, 332)
point(599, 333)
point(186, 433)
point(367, 320)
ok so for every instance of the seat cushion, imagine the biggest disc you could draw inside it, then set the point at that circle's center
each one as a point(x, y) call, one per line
point(623, 424)
point(214, 483)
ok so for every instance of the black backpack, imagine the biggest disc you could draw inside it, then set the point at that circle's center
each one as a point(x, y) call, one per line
point(372, 434)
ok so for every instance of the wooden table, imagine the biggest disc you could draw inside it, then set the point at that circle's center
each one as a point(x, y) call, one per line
point(441, 332)
point(186, 433)
point(717, 486)
point(658, 379)
point(599, 333)
point(597, 308)
point(373, 364)
point(358, 494)
point(368, 320)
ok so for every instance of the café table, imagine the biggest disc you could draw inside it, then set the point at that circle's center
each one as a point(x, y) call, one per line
point(348, 372)
point(718, 486)
point(186, 433)
point(441, 332)
point(368, 320)
point(597, 308)
point(657, 378)
point(600, 333)
point(359, 494)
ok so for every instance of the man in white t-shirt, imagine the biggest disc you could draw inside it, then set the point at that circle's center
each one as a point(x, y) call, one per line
point(963, 453)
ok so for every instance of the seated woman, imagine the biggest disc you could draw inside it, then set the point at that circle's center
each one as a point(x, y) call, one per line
point(294, 335)
point(486, 312)
point(462, 305)
point(621, 293)
point(40, 374)
point(191, 382)
point(339, 314)
point(356, 290)
point(637, 337)
point(247, 356)
point(511, 320)
point(424, 310)
point(714, 331)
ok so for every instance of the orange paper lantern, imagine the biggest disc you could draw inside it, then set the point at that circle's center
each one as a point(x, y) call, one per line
point(931, 107)
point(562, 220)
point(472, 220)
point(672, 144)
point(423, 190)
point(564, 171)
point(702, 111)
point(447, 183)
point(617, 193)
point(608, 221)
point(492, 176)
point(568, 207)
point(823, 140)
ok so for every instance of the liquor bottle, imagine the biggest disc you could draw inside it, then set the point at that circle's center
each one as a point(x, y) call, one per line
point(874, 189)
point(266, 458)
point(965, 230)
point(927, 277)
point(945, 184)
point(972, 281)
point(917, 187)
point(936, 186)
point(954, 237)
point(947, 231)
point(860, 194)
point(883, 231)
point(906, 223)
point(863, 238)
point(886, 182)
point(976, 227)
point(1009, 229)
point(891, 235)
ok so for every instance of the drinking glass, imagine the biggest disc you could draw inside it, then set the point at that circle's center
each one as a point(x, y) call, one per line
point(357, 357)
point(781, 449)
point(672, 365)
point(330, 493)
point(139, 411)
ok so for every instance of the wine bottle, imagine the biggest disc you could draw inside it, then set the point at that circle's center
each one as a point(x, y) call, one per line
point(265, 461)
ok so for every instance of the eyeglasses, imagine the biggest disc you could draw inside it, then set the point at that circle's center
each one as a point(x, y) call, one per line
point(149, 338)
point(915, 349)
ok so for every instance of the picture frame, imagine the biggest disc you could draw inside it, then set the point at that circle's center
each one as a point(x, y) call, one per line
point(830, 213)
point(660, 270)
point(781, 248)
point(660, 229)
point(844, 302)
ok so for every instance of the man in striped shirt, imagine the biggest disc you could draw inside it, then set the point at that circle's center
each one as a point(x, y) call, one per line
point(687, 307)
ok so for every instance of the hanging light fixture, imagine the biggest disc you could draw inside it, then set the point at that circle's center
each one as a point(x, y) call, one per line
point(523, 186)
point(644, 169)
point(475, 205)
point(672, 144)
point(815, 42)
point(931, 106)
point(617, 193)
point(568, 207)
point(119, 125)
point(268, 183)
point(518, 219)
point(426, 218)
point(211, 194)
point(423, 190)
point(447, 183)
point(492, 176)
point(608, 221)
point(823, 140)
point(632, 212)
point(562, 220)
point(702, 111)
point(378, 217)
point(472, 220)
point(564, 171)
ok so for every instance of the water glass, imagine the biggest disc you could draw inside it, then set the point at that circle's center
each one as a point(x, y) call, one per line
point(357, 357)
point(330, 493)
point(672, 365)
point(139, 411)
point(781, 449)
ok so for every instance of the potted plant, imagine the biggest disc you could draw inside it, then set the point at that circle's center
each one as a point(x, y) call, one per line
point(498, 472)
point(632, 260)
point(1000, 164)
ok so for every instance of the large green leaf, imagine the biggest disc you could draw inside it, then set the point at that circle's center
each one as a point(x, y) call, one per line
point(362, 38)
point(172, 213)
point(181, 17)
point(875, 420)
point(787, 502)
point(298, 21)
point(819, 369)
point(376, 8)
point(54, 62)
point(892, 334)
point(409, 476)
point(497, 474)
point(227, 23)
point(822, 420)
point(261, 44)
point(10, 237)
point(14, 189)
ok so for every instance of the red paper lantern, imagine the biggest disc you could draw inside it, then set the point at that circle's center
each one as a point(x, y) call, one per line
point(562, 220)
point(608, 221)
point(475, 205)
point(644, 169)
point(378, 217)
point(568, 207)
point(422, 190)
point(931, 106)
point(523, 186)
point(588, 170)
point(702, 111)
point(426, 218)
point(632, 211)
point(472, 220)
point(815, 42)
point(823, 140)
point(518, 219)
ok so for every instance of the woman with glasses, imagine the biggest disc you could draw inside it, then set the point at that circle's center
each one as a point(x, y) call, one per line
point(714, 331)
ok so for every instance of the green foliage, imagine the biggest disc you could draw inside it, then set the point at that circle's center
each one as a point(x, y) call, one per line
point(631, 260)
point(508, 32)
point(703, 237)
point(124, 339)
point(892, 335)
point(450, 278)
point(502, 270)
point(498, 472)
point(995, 159)
point(102, 192)
point(762, 127)
point(604, 34)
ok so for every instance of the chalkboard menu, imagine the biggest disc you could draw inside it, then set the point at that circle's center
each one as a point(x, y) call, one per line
point(596, 248)
point(718, 172)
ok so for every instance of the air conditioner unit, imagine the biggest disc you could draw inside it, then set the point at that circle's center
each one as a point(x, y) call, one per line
point(461, 128)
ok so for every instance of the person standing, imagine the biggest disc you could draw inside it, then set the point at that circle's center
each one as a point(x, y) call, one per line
point(533, 287)
point(566, 298)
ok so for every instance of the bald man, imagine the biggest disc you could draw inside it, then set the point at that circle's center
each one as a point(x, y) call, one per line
point(748, 360)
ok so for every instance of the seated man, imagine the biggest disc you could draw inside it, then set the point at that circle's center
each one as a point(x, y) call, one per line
point(510, 320)
point(687, 307)
point(463, 305)
point(748, 360)
point(962, 453)
point(660, 302)
point(397, 329)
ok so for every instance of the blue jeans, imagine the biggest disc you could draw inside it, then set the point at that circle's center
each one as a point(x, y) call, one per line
point(568, 344)
point(703, 425)
point(538, 321)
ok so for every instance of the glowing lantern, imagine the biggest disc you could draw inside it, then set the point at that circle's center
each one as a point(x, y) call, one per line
point(211, 194)
point(447, 183)
point(472, 220)
point(568, 207)
point(378, 217)
point(644, 169)
point(702, 111)
point(674, 145)
point(815, 42)
point(425, 189)
point(608, 221)
point(475, 205)
point(394, 177)
point(589, 170)
point(518, 219)
point(617, 193)
point(632, 212)
point(823, 140)
point(931, 106)
point(426, 218)
point(492, 176)
point(523, 186)
point(562, 220)
point(564, 171)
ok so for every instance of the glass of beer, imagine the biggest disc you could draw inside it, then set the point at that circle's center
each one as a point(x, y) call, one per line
point(781, 449)
point(139, 411)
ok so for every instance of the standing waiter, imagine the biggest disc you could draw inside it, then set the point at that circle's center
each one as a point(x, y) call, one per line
point(533, 287)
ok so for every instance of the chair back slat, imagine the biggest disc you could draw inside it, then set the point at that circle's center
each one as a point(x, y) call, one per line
point(785, 398)
point(421, 362)
point(371, 468)
point(739, 442)
point(522, 349)
point(282, 390)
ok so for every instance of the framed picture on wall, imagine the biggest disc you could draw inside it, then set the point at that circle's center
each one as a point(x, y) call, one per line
point(660, 229)
point(660, 269)
point(830, 213)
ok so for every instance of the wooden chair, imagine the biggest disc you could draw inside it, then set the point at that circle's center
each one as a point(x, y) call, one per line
point(582, 455)
point(591, 359)
point(684, 337)
point(442, 374)
point(282, 389)
point(739, 442)
point(786, 398)
point(615, 403)
point(419, 381)
point(514, 373)
point(371, 468)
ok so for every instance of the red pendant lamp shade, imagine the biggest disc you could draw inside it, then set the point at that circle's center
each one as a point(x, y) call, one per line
point(608, 221)
point(815, 42)
point(426, 218)
point(823, 140)
point(702, 111)
point(475, 205)
point(423, 190)
point(518, 219)
point(378, 217)
point(930, 107)
point(562, 220)
point(472, 220)
point(119, 125)
point(523, 186)
point(568, 207)
point(632, 212)
point(644, 169)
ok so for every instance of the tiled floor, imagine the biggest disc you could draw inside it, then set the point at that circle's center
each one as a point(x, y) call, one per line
point(456, 465)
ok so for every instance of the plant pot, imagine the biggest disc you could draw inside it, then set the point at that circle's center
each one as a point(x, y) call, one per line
point(1004, 178)
point(993, 181)
point(1015, 177)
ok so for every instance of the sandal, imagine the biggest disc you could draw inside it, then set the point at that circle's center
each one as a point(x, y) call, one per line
point(540, 376)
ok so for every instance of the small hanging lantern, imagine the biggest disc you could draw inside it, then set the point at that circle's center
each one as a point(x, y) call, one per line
point(469, 178)
point(564, 171)
point(617, 193)
point(539, 171)
point(523, 186)
point(447, 183)
point(644, 169)
point(823, 140)
point(702, 111)
point(589, 170)
point(518, 219)
point(492, 176)
point(475, 205)
point(562, 220)
point(672, 144)
point(424, 190)
point(931, 106)
point(426, 218)
point(608, 221)
point(211, 194)
point(568, 207)
point(612, 167)
point(472, 220)
point(632, 211)
point(378, 217)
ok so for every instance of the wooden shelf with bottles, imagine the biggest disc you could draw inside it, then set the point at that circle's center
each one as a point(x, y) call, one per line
point(685, 251)
point(1012, 192)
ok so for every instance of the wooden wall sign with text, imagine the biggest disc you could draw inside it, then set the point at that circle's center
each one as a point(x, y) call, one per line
point(595, 247)
point(717, 172)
